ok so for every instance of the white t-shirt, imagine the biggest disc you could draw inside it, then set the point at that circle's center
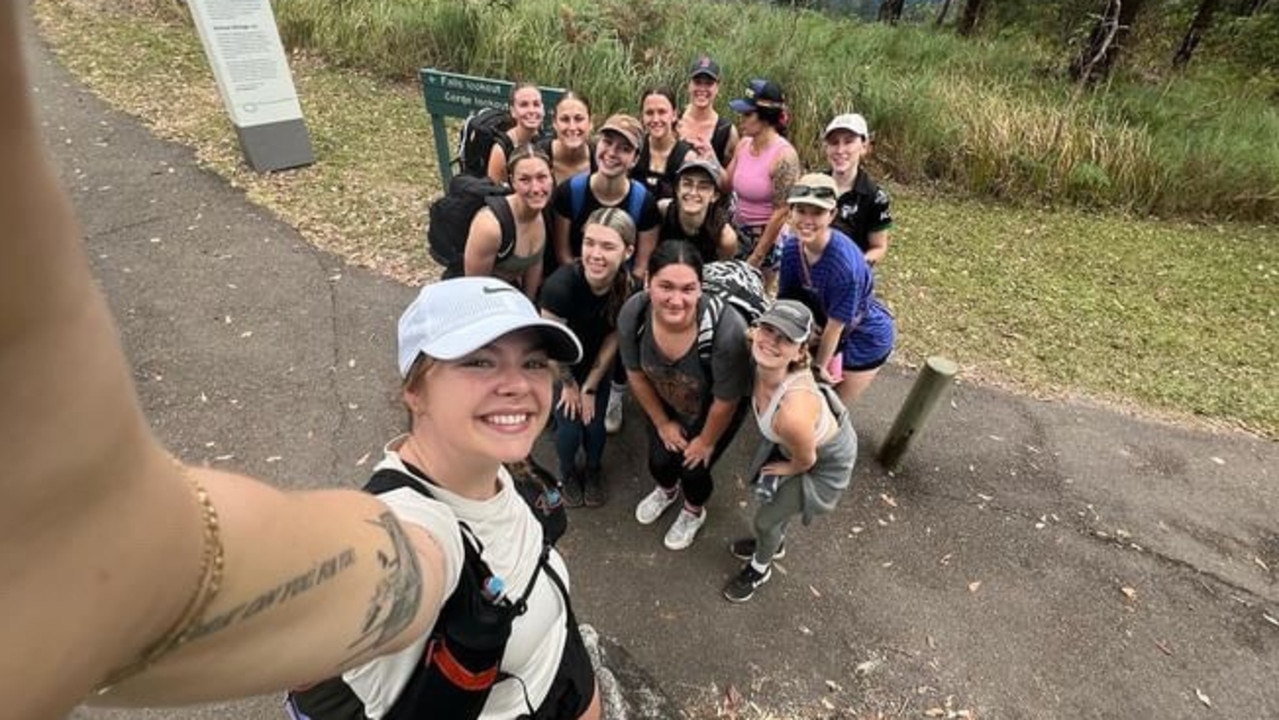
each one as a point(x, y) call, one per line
point(512, 540)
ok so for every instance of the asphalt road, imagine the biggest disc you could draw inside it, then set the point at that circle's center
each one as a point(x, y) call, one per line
point(1031, 560)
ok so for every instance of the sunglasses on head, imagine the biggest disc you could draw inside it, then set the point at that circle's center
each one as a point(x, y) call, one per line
point(805, 191)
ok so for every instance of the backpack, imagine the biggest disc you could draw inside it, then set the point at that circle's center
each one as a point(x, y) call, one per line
point(480, 130)
point(719, 138)
point(451, 216)
point(726, 284)
point(578, 184)
point(462, 659)
point(739, 284)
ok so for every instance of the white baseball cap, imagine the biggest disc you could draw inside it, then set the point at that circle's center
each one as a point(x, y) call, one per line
point(452, 318)
point(851, 122)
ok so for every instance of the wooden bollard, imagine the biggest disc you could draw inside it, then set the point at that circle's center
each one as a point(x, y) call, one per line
point(934, 377)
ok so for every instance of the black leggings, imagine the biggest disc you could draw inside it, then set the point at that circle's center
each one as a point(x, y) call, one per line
point(667, 466)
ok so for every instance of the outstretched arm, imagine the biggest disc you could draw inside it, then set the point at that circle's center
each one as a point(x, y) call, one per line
point(103, 543)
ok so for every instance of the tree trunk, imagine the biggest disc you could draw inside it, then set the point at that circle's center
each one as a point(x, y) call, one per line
point(1252, 7)
point(1094, 63)
point(972, 15)
point(941, 14)
point(890, 11)
point(1198, 27)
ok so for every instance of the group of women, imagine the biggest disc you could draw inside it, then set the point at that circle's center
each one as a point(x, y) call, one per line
point(681, 189)
point(160, 583)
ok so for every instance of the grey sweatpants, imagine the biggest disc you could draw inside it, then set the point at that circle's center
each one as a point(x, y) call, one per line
point(772, 518)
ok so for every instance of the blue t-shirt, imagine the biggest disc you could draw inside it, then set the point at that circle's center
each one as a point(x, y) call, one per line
point(839, 285)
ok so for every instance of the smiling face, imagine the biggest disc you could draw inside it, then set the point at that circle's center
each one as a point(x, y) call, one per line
point(603, 252)
point(674, 291)
point(532, 181)
point(696, 191)
point(844, 150)
point(702, 91)
point(487, 406)
point(658, 115)
point(572, 123)
point(614, 154)
point(809, 221)
point(772, 350)
point(526, 108)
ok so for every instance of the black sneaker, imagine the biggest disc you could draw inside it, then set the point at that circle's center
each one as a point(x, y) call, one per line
point(571, 489)
point(742, 587)
point(594, 494)
point(744, 549)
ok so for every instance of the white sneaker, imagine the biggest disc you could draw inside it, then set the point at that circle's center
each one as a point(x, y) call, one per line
point(684, 530)
point(653, 505)
point(613, 413)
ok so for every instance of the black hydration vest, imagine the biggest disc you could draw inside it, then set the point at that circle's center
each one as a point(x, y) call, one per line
point(463, 655)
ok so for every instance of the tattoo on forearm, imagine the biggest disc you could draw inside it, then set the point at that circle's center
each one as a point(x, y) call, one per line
point(317, 575)
point(396, 600)
point(784, 176)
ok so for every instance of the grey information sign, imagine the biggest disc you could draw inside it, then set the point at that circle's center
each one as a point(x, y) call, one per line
point(243, 45)
point(453, 95)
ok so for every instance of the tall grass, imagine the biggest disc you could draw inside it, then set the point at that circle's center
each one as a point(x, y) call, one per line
point(991, 117)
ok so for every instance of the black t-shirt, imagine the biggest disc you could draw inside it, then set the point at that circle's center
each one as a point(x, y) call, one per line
point(567, 294)
point(671, 229)
point(648, 218)
point(660, 182)
point(862, 210)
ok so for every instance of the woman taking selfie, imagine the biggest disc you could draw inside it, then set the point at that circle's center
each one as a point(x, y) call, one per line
point(476, 361)
point(130, 578)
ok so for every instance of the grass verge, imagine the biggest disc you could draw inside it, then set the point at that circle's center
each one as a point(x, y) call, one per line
point(1172, 317)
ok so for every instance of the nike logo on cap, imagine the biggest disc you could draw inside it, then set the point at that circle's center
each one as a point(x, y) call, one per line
point(494, 289)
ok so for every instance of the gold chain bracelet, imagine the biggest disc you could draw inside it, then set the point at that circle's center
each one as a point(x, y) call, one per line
point(210, 583)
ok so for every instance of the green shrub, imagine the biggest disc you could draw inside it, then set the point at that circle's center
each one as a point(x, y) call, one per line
point(987, 116)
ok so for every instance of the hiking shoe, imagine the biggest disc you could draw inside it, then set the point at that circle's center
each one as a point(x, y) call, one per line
point(594, 493)
point(744, 549)
point(653, 505)
point(743, 585)
point(684, 530)
point(613, 413)
point(571, 489)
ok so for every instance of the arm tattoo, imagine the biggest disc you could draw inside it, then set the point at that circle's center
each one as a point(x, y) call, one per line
point(317, 575)
point(398, 595)
point(784, 176)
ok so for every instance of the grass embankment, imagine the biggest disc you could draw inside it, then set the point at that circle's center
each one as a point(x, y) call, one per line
point(992, 118)
point(1171, 316)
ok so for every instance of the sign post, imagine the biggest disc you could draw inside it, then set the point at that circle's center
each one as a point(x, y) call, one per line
point(243, 45)
point(453, 95)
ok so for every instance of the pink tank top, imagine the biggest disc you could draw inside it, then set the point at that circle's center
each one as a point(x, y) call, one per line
point(753, 181)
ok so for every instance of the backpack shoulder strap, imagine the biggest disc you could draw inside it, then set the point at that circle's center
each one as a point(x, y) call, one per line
point(707, 325)
point(506, 221)
point(635, 206)
point(388, 479)
point(577, 194)
point(719, 137)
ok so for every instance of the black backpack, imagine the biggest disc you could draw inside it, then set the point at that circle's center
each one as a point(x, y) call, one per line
point(462, 659)
point(480, 130)
point(450, 220)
